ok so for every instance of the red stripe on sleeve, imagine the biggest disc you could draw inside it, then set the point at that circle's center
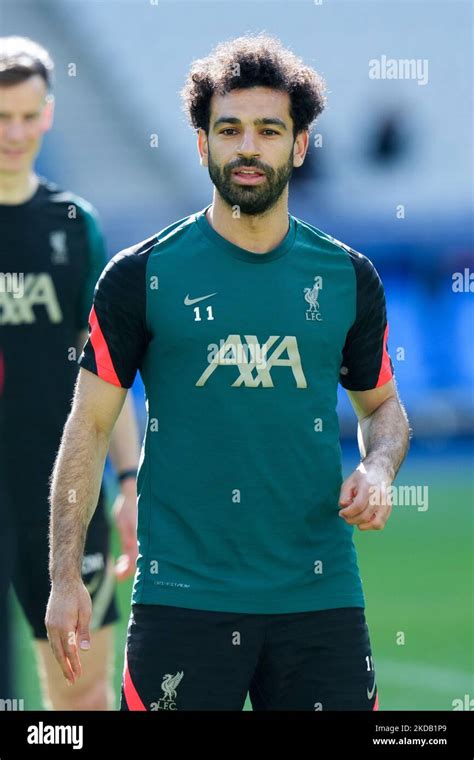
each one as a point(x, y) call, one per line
point(385, 369)
point(103, 360)
point(376, 705)
point(131, 694)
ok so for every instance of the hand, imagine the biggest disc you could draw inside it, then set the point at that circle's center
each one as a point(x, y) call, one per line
point(68, 617)
point(365, 498)
point(125, 514)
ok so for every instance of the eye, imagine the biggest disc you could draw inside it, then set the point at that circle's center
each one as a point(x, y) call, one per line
point(273, 131)
point(228, 129)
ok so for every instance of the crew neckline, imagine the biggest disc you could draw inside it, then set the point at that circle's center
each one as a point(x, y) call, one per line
point(30, 200)
point(243, 253)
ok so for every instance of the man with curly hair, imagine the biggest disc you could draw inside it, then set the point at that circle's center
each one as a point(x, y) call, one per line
point(242, 320)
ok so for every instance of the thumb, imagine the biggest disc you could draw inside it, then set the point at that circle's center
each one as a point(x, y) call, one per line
point(348, 491)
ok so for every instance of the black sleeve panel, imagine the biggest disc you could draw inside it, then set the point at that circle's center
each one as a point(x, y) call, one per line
point(118, 333)
point(366, 363)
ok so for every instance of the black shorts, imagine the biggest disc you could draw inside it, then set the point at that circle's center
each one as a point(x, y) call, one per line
point(187, 659)
point(30, 576)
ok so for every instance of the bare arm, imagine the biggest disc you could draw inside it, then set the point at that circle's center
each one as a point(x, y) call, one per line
point(75, 485)
point(124, 454)
point(383, 437)
point(383, 430)
point(124, 450)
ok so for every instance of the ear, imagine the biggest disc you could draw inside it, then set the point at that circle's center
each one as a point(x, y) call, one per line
point(48, 113)
point(300, 147)
point(202, 146)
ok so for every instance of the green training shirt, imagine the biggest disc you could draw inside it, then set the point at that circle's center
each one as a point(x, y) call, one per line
point(241, 354)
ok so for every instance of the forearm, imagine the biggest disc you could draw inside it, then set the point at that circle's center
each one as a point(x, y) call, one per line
point(75, 486)
point(124, 448)
point(383, 437)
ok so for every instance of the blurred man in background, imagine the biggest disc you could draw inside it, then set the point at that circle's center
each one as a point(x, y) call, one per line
point(51, 254)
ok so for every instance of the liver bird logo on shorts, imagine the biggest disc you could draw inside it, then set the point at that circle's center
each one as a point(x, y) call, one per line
point(169, 685)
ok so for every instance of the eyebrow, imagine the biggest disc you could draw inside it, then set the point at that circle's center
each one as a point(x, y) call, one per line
point(258, 122)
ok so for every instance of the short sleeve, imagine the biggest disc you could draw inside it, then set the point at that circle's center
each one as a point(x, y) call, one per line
point(118, 335)
point(96, 261)
point(366, 363)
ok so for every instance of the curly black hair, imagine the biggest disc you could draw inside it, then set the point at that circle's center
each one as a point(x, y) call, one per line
point(252, 61)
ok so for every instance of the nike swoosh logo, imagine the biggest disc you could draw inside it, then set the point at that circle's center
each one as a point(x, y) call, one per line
point(189, 301)
point(370, 694)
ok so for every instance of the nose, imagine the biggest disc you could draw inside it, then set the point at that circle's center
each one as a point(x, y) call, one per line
point(247, 145)
point(15, 131)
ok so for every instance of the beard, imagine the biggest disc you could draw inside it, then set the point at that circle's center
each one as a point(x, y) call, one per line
point(251, 199)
